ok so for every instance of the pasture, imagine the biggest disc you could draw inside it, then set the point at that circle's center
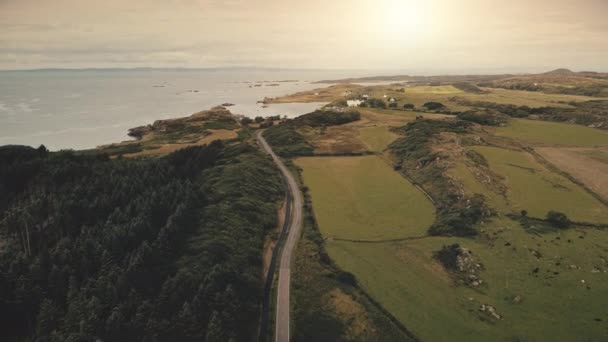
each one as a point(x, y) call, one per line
point(580, 164)
point(377, 138)
point(542, 133)
point(559, 278)
point(532, 187)
point(362, 198)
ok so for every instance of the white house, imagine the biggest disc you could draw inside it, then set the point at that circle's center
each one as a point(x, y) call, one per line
point(354, 103)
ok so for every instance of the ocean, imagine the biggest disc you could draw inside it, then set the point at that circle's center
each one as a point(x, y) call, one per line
point(80, 109)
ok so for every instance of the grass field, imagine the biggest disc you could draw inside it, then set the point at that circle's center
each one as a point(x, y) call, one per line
point(552, 133)
point(363, 198)
point(555, 305)
point(433, 90)
point(325, 309)
point(534, 188)
point(581, 164)
point(547, 285)
point(377, 138)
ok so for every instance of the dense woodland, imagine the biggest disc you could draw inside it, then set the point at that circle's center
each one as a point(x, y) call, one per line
point(93, 248)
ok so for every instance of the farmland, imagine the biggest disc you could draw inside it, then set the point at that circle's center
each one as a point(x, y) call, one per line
point(415, 288)
point(377, 138)
point(350, 203)
point(525, 176)
point(376, 229)
point(586, 165)
point(552, 133)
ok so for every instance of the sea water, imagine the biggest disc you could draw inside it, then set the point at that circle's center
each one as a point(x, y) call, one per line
point(87, 108)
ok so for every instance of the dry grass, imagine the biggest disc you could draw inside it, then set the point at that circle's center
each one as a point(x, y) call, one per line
point(352, 313)
point(216, 134)
point(574, 161)
point(335, 139)
point(328, 94)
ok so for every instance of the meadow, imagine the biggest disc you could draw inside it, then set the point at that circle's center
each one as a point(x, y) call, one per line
point(363, 198)
point(550, 287)
point(533, 188)
point(536, 132)
point(377, 138)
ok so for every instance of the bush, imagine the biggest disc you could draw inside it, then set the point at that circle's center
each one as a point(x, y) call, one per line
point(374, 103)
point(287, 141)
point(392, 105)
point(320, 118)
point(347, 278)
point(483, 117)
point(434, 105)
point(409, 106)
point(448, 256)
point(246, 121)
point(557, 219)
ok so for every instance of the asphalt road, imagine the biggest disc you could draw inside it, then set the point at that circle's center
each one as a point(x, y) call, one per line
point(295, 227)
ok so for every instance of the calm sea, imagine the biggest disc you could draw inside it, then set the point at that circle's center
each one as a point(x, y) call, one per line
point(84, 109)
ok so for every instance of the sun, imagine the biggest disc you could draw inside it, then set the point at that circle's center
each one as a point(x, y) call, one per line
point(404, 20)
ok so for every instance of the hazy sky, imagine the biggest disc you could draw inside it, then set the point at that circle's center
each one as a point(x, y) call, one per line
point(407, 35)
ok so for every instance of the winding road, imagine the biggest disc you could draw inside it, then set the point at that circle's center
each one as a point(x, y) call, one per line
point(295, 227)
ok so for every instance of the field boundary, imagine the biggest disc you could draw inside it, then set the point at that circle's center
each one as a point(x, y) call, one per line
point(315, 225)
point(409, 238)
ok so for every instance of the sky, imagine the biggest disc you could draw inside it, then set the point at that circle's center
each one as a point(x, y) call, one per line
point(409, 36)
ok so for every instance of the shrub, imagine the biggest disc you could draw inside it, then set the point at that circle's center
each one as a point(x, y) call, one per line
point(434, 105)
point(409, 106)
point(557, 219)
point(320, 118)
point(483, 117)
point(448, 256)
point(287, 141)
point(374, 103)
point(246, 121)
point(347, 278)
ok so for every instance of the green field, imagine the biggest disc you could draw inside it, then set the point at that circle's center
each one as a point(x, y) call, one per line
point(552, 133)
point(555, 305)
point(433, 90)
point(534, 188)
point(377, 138)
point(363, 198)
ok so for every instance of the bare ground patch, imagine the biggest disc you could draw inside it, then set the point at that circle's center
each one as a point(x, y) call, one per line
point(589, 171)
